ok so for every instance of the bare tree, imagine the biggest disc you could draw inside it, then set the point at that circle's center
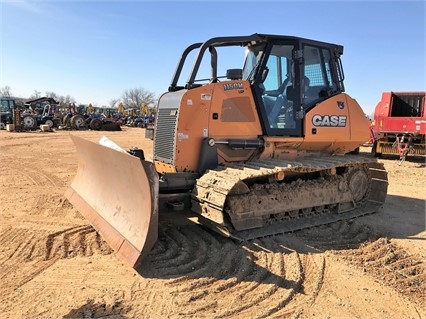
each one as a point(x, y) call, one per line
point(134, 98)
point(53, 95)
point(35, 95)
point(113, 103)
point(60, 98)
point(5, 91)
point(67, 99)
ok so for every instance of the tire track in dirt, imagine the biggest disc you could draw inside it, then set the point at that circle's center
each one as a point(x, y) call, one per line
point(75, 241)
point(339, 235)
point(99, 309)
point(27, 248)
point(41, 191)
point(392, 266)
point(42, 244)
point(25, 253)
point(358, 244)
point(307, 269)
point(52, 185)
point(21, 257)
point(274, 278)
point(202, 270)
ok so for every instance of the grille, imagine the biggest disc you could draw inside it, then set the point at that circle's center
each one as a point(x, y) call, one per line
point(165, 132)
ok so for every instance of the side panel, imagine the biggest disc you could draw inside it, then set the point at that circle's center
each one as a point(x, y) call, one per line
point(359, 123)
point(224, 110)
point(192, 127)
point(234, 113)
point(400, 112)
point(383, 107)
point(337, 125)
point(403, 125)
point(233, 116)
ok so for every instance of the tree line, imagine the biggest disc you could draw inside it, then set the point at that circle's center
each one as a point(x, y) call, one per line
point(132, 98)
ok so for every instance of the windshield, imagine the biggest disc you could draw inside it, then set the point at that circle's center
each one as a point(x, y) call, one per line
point(7, 105)
point(252, 61)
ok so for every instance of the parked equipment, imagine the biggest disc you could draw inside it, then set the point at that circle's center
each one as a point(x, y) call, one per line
point(400, 124)
point(38, 112)
point(252, 151)
point(7, 106)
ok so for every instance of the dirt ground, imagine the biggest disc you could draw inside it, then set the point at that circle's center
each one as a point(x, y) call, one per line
point(54, 265)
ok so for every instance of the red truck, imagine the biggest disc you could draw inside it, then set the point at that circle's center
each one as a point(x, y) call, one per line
point(399, 124)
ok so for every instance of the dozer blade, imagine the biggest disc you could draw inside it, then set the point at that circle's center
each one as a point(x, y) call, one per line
point(118, 194)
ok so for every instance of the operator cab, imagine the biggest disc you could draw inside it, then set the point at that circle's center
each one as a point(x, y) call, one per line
point(7, 105)
point(291, 76)
point(287, 75)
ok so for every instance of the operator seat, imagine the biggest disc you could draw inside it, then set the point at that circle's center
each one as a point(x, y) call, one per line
point(280, 102)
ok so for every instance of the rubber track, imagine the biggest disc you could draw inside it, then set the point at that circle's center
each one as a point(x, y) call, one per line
point(212, 188)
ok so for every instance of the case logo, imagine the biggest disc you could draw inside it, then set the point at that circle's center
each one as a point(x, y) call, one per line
point(329, 120)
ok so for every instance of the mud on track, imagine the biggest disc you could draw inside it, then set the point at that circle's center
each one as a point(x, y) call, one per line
point(53, 264)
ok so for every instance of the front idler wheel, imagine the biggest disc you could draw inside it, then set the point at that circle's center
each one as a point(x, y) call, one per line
point(358, 183)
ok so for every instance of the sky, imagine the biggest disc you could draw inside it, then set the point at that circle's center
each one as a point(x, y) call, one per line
point(94, 50)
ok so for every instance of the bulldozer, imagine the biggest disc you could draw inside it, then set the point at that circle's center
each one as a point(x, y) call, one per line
point(252, 151)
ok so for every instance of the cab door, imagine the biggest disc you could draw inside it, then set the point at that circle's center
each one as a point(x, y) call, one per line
point(278, 76)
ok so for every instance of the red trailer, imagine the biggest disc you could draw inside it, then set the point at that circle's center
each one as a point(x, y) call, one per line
point(400, 124)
